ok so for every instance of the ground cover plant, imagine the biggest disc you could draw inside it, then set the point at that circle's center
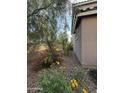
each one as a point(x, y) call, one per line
point(53, 81)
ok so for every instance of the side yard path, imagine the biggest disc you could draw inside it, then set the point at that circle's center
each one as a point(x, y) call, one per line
point(70, 63)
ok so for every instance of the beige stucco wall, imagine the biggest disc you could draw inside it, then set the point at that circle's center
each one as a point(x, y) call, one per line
point(77, 43)
point(89, 40)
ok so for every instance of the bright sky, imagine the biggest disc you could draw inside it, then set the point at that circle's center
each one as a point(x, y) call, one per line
point(69, 19)
point(76, 1)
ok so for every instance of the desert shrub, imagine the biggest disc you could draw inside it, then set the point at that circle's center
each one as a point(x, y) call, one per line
point(78, 74)
point(67, 48)
point(53, 81)
point(47, 61)
point(70, 47)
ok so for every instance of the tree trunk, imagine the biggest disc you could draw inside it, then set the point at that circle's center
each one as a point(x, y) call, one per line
point(51, 50)
point(63, 45)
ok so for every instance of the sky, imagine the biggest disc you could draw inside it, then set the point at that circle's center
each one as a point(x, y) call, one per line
point(69, 18)
point(76, 1)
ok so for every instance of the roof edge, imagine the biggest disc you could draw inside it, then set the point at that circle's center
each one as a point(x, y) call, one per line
point(84, 3)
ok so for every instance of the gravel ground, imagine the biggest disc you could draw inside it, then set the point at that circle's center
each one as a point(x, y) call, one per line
point(68, 64)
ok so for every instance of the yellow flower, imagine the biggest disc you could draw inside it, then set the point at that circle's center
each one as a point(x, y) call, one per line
point(74, 84)
point(84, 90)
point(57, 63)
point(71, 81)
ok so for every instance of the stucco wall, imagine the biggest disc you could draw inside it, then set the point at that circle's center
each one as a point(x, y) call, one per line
point(77, 43)
point(89, 40)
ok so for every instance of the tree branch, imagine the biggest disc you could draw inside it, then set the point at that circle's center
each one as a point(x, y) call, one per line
point(39, 9)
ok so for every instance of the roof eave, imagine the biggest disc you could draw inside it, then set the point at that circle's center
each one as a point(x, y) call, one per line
point(87, 13)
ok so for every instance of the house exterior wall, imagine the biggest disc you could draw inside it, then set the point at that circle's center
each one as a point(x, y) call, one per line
point(77, 43)
point(89, 40)
point(84, 30)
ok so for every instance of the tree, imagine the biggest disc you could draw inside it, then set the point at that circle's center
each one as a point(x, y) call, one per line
point(42, 17)
point(63, 38)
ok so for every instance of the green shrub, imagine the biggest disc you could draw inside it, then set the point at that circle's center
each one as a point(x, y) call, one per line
point(53, 82)
point(78, 74)
point(67, 48)
point(47, 61)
